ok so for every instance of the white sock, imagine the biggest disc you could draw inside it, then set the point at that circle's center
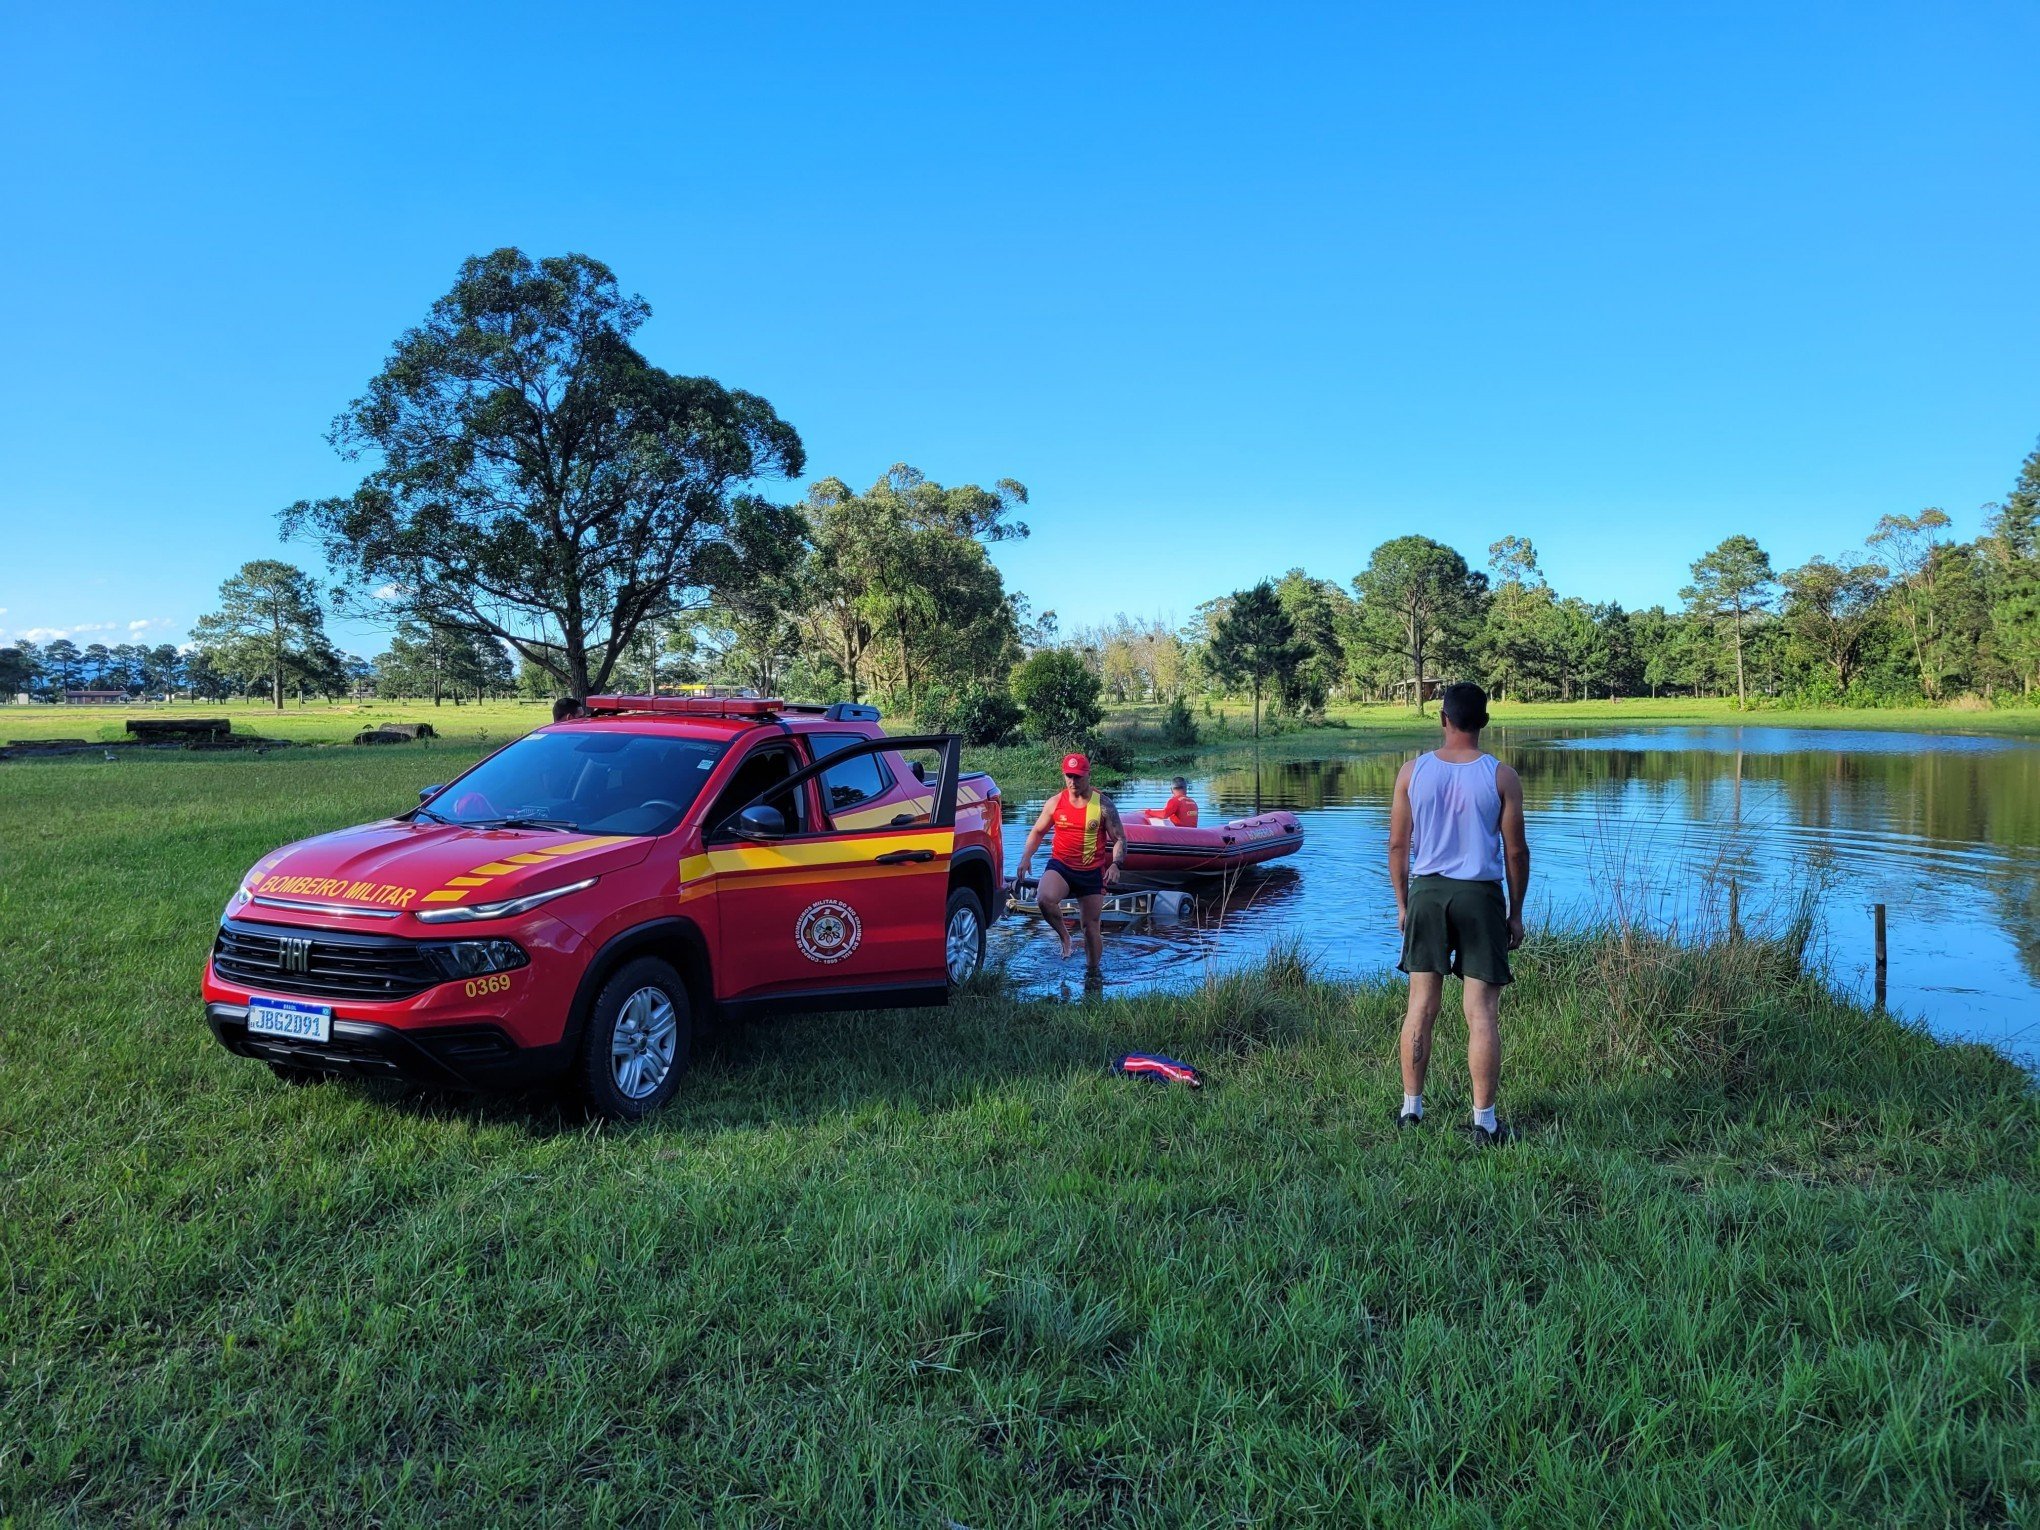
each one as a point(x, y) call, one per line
point(1413, 1105)
point(1485, 1119)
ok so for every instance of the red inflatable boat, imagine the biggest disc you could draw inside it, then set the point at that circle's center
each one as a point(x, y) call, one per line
point(1161, 852)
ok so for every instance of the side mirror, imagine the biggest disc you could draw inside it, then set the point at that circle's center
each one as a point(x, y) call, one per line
point(427, 793)
point(761, 822)
point(920, 771)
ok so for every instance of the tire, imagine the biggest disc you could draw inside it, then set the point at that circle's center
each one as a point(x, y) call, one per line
point(963, 937)
point(639, 1035)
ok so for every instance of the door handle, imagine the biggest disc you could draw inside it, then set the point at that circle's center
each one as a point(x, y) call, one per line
point(895, 857)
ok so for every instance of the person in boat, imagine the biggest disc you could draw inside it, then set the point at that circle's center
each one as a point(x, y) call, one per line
point(1180, 809)
point(1455, 834)
point(1085, 852)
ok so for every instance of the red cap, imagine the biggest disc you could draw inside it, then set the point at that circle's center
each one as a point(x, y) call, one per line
point(1076, 765)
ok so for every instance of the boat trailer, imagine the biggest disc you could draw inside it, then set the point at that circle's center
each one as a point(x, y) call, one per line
point(1146, 905)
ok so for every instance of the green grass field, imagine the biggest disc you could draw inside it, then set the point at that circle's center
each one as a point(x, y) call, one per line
point(322, 722)
point(1226, 734)
point(1764, 1258)
point(313, 722)
point(1233, 717)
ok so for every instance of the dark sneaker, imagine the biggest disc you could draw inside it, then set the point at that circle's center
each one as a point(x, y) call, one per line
point(1501, 1136)
point(1404, 1123)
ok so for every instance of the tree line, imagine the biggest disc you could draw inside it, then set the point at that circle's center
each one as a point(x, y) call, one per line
point(548, 512)
point(1914, 615)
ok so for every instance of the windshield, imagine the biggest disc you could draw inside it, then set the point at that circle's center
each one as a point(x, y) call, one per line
point(589, 782)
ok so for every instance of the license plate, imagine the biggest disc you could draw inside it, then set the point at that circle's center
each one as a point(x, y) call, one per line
point(293, 1022)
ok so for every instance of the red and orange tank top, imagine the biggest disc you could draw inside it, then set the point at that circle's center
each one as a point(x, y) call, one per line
point(1079, 841)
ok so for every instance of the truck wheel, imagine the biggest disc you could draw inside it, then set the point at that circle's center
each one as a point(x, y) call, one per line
point(963, 926)
point(637, 1042)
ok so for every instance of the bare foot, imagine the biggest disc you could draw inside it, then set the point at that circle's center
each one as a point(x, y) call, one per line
point(1068, 949)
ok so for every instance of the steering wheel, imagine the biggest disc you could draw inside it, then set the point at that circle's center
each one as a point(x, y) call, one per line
point(660, 802)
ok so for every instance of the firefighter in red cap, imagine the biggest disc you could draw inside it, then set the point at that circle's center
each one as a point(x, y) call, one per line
point(1084, 858)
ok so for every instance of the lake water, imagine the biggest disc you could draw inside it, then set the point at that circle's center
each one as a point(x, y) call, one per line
point(1944, 829)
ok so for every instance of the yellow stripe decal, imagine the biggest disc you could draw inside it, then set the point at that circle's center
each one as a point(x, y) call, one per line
point(878, 817)
point(480, 876)
point(827, 852)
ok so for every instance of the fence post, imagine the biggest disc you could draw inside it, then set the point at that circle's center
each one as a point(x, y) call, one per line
point(1880, 955)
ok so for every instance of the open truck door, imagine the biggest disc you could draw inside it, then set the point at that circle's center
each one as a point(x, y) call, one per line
point(816, 911)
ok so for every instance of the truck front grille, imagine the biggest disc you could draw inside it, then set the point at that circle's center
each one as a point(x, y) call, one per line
point(324, 964)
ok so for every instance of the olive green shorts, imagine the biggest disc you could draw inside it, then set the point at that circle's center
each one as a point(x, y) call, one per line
point(1457, 927)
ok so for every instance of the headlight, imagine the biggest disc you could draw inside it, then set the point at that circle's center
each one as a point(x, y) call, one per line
point(473, 958)
point(508, 909)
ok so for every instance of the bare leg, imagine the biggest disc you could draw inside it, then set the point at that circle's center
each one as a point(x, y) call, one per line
point(1426, 988)
point(1094, 934)
point(1048, 897)
point(1484, 1040)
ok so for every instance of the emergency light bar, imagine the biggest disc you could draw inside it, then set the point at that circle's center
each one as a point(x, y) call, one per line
point(688, 706)
point(728, 706)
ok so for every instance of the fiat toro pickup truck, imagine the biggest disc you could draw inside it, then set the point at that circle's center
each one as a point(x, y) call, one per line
point(578, 903)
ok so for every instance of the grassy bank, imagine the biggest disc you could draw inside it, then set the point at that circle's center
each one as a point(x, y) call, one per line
point(1228, 721)
point(1763, 1258)
point(311, 722)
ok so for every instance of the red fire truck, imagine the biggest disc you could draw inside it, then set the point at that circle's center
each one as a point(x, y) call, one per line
point(581, 901)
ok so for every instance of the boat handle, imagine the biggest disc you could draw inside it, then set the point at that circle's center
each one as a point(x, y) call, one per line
point(895, 857)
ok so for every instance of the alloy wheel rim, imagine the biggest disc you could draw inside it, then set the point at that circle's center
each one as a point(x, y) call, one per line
point(963, 948)
point(641, 1047)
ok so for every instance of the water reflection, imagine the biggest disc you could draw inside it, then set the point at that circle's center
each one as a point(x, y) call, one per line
point(1944, 829)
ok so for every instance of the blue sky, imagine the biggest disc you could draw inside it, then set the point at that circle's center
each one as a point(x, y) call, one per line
point(1229, 289)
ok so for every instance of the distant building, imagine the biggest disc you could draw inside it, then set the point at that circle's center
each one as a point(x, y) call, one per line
point(1433, 688)
point(94, 698)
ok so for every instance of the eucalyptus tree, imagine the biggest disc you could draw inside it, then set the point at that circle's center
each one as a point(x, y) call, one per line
point(2012, 546)
point(1515, 636)
point(1830, 609)
point(537, 481)
point(269, 626)
point(1911, 545)
point(897, 587)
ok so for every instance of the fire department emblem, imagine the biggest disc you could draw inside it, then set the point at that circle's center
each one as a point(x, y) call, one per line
point(827, 931)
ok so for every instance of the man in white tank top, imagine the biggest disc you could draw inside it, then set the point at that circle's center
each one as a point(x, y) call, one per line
point(1455, 834)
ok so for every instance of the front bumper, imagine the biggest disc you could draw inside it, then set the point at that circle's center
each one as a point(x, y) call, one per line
point(468, 1056)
